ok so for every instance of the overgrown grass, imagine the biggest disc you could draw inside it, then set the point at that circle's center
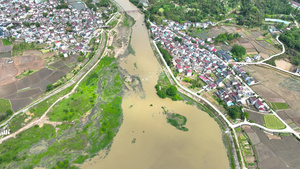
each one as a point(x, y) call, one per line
point(6, 42)
point(177, 121)
point(5, 109)
point(281, 106)
point(26, 73)
point(81, 101)
point(272, 122)
point(4, 106)
point(16, 150)
point(270, 41)
point(77, 141)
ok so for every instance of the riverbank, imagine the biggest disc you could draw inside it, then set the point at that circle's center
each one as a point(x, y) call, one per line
point(146, 139)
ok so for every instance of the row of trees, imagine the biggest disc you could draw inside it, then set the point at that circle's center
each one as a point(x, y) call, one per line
point(167, 91)
point(226, 37)
point(166, 54)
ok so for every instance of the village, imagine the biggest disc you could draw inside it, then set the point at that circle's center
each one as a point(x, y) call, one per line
point(195, 58)
point(62, 27)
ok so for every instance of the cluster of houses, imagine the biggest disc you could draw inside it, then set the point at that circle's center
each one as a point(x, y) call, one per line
point(4, 132)
point(192, 56)
point(175, 26)
point(68, 30)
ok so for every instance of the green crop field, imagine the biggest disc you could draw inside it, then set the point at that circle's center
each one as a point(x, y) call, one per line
point(272, 122)
point(279, 106)
point(6, 42)
point(270, 41)
point(4, 105)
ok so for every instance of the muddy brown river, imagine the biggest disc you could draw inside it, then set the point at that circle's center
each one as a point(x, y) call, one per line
point(145, 139)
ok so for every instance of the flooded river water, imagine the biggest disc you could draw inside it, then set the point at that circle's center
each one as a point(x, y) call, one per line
point(145, 139)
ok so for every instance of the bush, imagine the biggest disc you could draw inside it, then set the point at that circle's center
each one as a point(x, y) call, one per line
point(238, 51)
point(171, 91)
point(49, 87)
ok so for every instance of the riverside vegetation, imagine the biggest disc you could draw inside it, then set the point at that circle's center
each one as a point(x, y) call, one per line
point(100, 92)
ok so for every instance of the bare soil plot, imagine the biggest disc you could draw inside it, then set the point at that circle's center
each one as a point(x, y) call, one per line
point(23, 83)
point(42, 85)
point(256, 117)
point(43, 73)
point(65, 69)
point(55, 76)
point(70, 59)
point(260, 48)
point(57, 64)
point(19, 103)
point(283, 64)
point(256, 34)
point(8, 89)
point(274, 84)
point(34, 78)
point(7, 72)
point(50, 54)
point(30, 60)
point(214, 32)
point(24, 94)
point(242, 40)
point(7, 48)
point(275, 153)
point(5, 55)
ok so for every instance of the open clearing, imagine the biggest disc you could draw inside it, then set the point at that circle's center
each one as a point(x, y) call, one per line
point(272, 122)
point(275, 153)
point(283, 64)
point(277, 87)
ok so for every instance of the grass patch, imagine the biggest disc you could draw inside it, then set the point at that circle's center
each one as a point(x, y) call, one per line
point(177, 121)
point(81, 101)
point(164, 88)
point(113, 23)
point(5, 109)
point(270, 41)
point(273, 106)
point(15, 150)
point(6, 42)
point(272, 122)
point(281, 106)
point(45, 51)
point(26, 73)
point(260, 39)
point(246, 33)
point(80, 140)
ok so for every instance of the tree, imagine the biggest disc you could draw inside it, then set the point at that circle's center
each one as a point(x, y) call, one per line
point(45, 14)
point(171, 91)
point(9, 112)
point(233, 112)
point(238, 50)
point(49, 87)
point(37, 25)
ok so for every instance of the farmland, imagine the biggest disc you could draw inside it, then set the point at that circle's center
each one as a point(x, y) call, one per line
point(272, 122)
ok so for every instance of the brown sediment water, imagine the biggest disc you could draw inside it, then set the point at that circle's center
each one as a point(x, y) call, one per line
point(145, 140)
